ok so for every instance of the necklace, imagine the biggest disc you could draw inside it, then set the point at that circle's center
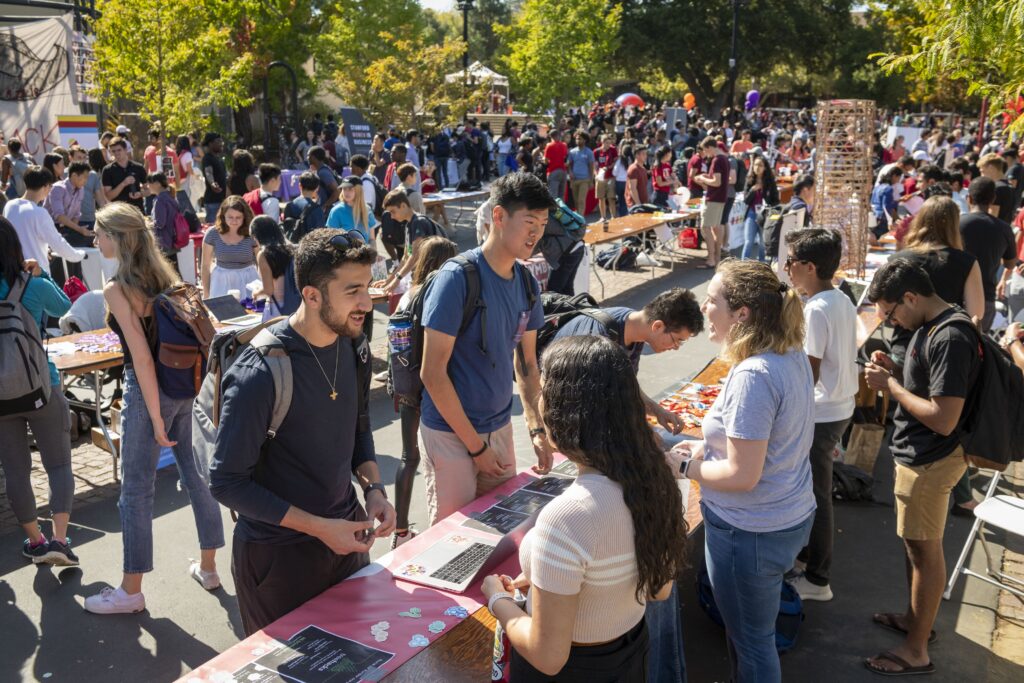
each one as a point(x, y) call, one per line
point(337, 346)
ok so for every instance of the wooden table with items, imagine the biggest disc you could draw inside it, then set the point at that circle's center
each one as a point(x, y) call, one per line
point(446, 197)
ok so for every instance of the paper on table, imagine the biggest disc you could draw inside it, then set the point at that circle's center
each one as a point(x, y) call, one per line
point(60, 348)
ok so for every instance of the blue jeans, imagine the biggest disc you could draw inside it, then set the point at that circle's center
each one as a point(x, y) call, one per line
point(665, 630)
point(211, 211)
point(746, 571)
point(752, 239)
point(139, 455)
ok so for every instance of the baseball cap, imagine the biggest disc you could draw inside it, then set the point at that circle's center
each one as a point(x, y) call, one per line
point(350, 181)
point(122, 130)
point(921, 155)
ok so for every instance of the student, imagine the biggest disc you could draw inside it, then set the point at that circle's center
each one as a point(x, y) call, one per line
point(14, 166)
point(229, 253)
point(581, 170)
point(414, 226)
point(433, 252)
point(1003, 204)
point(409, 175)
point(664, 324)
point(274, 256)
point(760, 190)
point(610, 544)
point(93, 196)
point(803, 198)
point(391, 179)
point(270, 182)
point(991, 241)
point(662, 177)
point(352, 213)
point(153, 155)
point(301, 528)
point(33, 223)
point(467, 373)
point(716, 190)
point(164, 215)
point(361, 170)
point(149, 419)
point(309, 185)
point(637, 180)
point(555, 155)
point(830, 340)
point(940, 370)
point(122, 177)
point(64, 202)
point(757, 498)
point(215, 173)
point(329, 190)
point(619, 172)
point(884, 201)
point(187, 192)
point(49, 423)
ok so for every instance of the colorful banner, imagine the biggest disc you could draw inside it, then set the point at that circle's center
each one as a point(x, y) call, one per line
point(81, 130)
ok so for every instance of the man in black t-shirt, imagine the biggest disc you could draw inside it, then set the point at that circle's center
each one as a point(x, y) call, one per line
point(415, 226)
point(215, 173)
point(123, 179)
point(992, 166)
point(990, 240)
point(940, 371)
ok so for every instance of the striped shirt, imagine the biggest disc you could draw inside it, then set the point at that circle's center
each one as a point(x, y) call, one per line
point(231, 256)
point(583, 544)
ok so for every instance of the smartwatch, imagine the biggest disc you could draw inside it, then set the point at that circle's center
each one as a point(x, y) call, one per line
point(537, 430)
point(375, 487)
point(684, 467)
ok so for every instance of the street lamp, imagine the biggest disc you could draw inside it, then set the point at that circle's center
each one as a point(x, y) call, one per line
point(732, 53)
point(464, 7)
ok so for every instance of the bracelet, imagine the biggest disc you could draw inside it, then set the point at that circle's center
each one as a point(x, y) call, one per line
point(479, 452)
point(537, 430)
point(495, 598)
point(684, 468)
point(377, 486)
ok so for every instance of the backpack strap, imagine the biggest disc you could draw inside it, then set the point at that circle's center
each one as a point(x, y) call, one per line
point(609, 323)
point(274, 354)
point(361, 347)
point(473, 299)
point(18, 289)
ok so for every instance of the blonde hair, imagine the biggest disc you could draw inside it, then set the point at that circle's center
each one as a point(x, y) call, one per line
point(360, 212)
point(433, 252)
point(776, 320)
point(141, 268)
point(937, 222)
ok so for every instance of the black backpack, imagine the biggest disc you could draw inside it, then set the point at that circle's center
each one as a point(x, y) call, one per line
point(770, 219)
point(559, 309)
point(442, 145)
point(991, 429)
point(295, 228)
point(405, 329)
point(851, 483)
point(378, 195)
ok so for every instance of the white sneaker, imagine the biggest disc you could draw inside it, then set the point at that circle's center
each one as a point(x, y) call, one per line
point(208, 580)
point(810, 591)
point(115, 601)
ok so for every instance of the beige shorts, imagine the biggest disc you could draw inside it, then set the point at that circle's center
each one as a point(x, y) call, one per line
point(711, 217)
point(922, 496)
point(605, 189)
point(452, 478)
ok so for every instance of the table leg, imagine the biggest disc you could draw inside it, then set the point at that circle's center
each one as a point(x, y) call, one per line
point(98, 384)
point(594, 267)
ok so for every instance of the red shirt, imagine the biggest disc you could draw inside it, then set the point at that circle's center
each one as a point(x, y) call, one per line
point(694, 166)
point(639, 174)
point(556, 153)
point(606, 157)
point(149, 159)
point(663, 177)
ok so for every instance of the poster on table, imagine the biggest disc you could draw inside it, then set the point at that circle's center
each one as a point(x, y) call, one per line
point(314, 655)
point(736, 216)
point(37, 82)
point(358, 131)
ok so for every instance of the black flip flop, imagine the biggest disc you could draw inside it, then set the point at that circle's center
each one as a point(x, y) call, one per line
point(887, 621)
point(907, 668)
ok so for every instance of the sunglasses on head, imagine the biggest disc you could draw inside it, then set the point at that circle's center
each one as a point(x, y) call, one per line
point(347, 240)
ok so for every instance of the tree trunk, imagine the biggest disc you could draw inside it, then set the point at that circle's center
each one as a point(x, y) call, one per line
point(243, 124)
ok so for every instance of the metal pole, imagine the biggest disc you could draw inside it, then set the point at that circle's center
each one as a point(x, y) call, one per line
point(732, 53)
point(465, 37)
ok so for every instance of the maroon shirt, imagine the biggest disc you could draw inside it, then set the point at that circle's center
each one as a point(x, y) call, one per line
point(639, 174)
point(720, 165)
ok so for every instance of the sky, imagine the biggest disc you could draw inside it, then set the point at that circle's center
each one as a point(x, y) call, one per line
point(438, 4)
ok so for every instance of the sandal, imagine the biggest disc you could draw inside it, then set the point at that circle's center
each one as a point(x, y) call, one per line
point(705, 266)
point(906, 668)
point(887, 620)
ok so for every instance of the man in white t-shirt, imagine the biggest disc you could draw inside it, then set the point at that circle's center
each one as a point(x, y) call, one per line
point(831, 345)
point(34, 224)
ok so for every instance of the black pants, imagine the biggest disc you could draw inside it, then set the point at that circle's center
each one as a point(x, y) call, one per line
point(623, 659)
point(562, 278)
point(442, 171)
point(410, 419)
point(818, 553)
point(272, 580)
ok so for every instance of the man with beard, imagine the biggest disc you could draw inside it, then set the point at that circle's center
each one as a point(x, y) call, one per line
point(301, 528)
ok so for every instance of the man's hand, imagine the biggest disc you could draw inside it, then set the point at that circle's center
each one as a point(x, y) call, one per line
point(884, 361)
point(126, 182)
point(344, 537)
point(543, 449)
point(32, 266)
point(1001, 289)
point(488, 463)
point(877, 377)
point(1012, 334)
point(671, 422)
point(378, 508)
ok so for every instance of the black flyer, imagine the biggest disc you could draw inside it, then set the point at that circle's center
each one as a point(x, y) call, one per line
point(314, 655)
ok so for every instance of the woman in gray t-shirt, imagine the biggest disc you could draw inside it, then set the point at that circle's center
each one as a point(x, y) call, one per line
point(757, 497)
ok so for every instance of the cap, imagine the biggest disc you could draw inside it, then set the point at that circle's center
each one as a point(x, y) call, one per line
point(350, 181)
point(122, 130)
point(921, 155)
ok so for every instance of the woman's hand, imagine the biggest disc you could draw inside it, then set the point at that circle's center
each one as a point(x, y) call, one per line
point(160, 434)
point(32, 266)
point(495, 583)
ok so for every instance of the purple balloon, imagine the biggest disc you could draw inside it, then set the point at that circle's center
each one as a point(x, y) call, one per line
point(753, 97)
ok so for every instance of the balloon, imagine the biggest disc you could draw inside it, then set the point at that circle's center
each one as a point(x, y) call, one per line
point(689, 101)
point(630, 100)
point(753, 98)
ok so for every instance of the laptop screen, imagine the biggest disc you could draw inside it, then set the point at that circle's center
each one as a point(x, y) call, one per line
point(225, 307)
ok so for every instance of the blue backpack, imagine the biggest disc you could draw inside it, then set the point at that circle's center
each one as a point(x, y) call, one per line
point(574, 225)
point(183, 332)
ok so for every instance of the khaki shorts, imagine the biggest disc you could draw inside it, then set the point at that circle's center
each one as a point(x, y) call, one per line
point(605, 189)
point(711, 217)
point(922, 496)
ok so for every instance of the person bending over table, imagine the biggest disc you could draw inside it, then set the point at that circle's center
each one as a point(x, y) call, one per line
point(756, 493)
point(229, 252)
point(612, 542)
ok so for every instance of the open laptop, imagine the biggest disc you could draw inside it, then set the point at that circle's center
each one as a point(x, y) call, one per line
point(228, 311)
point(457, 560)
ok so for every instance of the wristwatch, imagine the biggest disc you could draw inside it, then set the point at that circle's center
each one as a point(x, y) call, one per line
point(495, 598)
point(375, 487)
point(537, 430)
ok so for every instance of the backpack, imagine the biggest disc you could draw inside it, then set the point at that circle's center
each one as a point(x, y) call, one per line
point(574, 225)
point(292, 296)
point(182, 231)
point(770, 219)
point(442, 145)
point(295, 228)
point(224, 351)
point(617, 258)
point(378, 195)
point(74, 288)
point(991, 428)
point(787, 623)
point(24, 374)
point(254, 198)
point(405, 329)
point(851, 483)
point(559, 309)
point(184, 332)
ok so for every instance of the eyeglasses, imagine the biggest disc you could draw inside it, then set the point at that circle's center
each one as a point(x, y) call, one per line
point(790, 261)
point(347, 240)
point(887, 315)
point(676, 343)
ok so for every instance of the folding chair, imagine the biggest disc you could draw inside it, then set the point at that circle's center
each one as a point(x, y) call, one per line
point(1004, 512)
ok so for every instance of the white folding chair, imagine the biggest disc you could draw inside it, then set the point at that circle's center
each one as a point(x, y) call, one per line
point(1002, 511)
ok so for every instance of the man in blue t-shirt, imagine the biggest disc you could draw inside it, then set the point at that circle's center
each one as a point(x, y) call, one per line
point(329, 190)
point(467, 376)
point(663, 324)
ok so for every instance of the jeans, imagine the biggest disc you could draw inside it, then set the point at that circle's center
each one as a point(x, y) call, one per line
point(463, 170)
point(184, 203)
point(211, 211)
point(502, 164)
point(442, 170)
point(556, 183)
point(620, 197)
point(139, 455)
point(665, 631)
point(746, 570)
point(752, 239)
point(818, 553)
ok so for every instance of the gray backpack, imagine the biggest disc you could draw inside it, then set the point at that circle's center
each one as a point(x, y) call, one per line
point(24, 374)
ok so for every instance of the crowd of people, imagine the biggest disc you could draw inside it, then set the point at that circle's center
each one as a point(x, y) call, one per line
point(597, 602)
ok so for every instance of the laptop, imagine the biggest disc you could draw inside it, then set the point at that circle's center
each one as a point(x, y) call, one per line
point(228, 311)
point(457, 560)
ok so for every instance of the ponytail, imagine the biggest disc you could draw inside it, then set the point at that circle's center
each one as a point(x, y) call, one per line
point(776, 320)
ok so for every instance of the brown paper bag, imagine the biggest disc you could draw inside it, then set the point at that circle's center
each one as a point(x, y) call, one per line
point(865, 442)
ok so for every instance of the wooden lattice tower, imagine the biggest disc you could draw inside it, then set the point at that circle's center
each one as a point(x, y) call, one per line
point(843, 175)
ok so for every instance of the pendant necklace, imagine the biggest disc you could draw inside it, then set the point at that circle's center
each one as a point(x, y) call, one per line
point(337, 346)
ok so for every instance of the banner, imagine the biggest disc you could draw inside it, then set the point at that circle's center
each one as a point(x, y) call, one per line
point(735, 223)
point(80, 130)
point(37, 82)
point(357, 130)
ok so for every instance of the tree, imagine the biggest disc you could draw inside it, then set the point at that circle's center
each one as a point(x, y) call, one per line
point(559, 51)
point(484, 44)
point(175, 77)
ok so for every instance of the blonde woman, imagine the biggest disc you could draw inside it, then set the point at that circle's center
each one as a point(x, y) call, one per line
point(150, 419)
point(229, 252)
point(757, 498)
point(352, 213)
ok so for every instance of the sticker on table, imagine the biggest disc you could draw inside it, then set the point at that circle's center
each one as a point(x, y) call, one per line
point(413, 613)
point(412, 570)
point(314, 655)
point(419, 640)
point(436, 626)
point(457, 611)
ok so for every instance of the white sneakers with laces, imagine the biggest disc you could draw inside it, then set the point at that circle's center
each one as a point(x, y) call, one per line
point(115, 601)
point(810, 591)
point(208, 580)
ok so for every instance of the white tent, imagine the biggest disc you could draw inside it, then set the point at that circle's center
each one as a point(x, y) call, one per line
point(478, 73)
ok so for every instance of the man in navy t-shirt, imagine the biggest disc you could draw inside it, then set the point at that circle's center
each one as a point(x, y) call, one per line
point(467, 377)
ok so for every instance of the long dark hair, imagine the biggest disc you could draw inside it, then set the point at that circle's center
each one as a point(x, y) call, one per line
point(12, 258)
point(612, 436)
point(182, 144)
point(275, 246)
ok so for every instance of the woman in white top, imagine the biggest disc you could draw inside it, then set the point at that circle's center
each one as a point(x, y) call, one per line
point(619, 170)
point(504, 148)
point(614, 540)
point(190, 191)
